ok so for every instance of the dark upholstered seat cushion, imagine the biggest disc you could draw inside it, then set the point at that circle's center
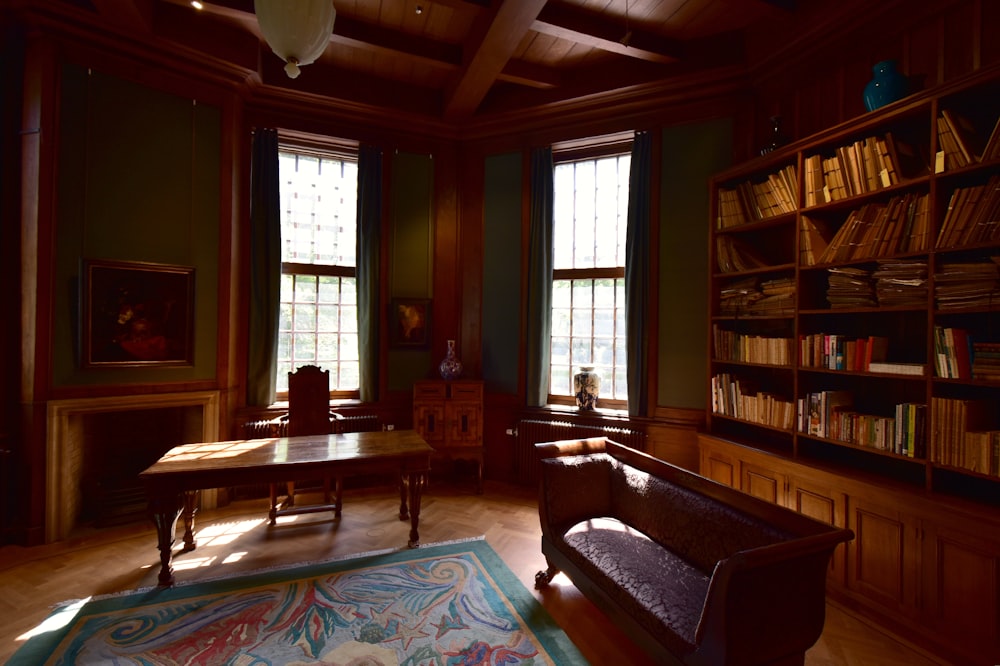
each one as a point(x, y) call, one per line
point(704, 530)
point(659, 589)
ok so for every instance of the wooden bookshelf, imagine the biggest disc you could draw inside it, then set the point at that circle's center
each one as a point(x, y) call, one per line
point(856, 276)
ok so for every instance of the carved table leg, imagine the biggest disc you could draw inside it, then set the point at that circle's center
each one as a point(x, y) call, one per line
point(417, 481)
point(164, 512)
point(190, 508)
point(404, 485)
point(338, 497)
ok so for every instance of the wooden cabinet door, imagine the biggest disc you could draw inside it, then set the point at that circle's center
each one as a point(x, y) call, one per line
point(826, 505)
point(763, 483)
point(464, 423)
point(884, 559)
point(962, 588)
point(430, 421)
point(718, 466)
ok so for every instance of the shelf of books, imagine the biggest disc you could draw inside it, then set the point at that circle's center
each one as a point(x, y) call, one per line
point(855, 312)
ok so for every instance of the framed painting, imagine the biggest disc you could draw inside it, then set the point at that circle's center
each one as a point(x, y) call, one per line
point(137, 314)
point(410, 322)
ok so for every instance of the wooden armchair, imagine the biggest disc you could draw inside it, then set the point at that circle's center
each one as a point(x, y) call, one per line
point(308, 414)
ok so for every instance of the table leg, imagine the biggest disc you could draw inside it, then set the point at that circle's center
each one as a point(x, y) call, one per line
point(164, 511)
point(417, 481)
point(190, 508)
point(404, 484)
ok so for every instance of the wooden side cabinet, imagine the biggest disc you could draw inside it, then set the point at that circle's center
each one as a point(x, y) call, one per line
point(449, 416)
point(925, 566)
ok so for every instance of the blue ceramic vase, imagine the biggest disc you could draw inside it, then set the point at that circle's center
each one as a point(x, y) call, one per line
point(887, 85)
point(451, 367)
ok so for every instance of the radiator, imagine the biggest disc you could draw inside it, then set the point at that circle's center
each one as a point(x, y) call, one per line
point(532, 431)
point(278, 427)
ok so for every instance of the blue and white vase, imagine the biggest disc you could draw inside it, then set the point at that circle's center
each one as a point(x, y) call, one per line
point(887, 85)
point(451, 367)
point(586, 386)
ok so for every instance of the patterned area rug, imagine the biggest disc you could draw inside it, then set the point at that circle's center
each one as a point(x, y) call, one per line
point(443, 605)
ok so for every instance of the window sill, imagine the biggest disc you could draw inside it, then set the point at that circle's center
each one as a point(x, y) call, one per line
point(566, 411)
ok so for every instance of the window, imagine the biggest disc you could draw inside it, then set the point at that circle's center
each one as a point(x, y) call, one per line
point(588, 278)
point(318, 323)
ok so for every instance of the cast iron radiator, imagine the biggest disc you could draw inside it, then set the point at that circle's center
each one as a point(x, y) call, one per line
point(531, 431)
point(278, 427)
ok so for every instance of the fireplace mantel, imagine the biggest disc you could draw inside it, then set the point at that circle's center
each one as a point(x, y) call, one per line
point(65, 446)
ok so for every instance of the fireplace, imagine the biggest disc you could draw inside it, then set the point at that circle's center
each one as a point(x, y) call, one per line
point(96, 448)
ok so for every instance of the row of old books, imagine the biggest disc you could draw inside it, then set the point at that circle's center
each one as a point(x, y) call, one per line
point(973, 215)
point(876, 229)
point(831, 414)
point(967, 284)
point(957, 356)
point(952, 353)
point(986, 361)
point(841, 352)
point(750, 201)
point(733, 255)
point(961, 144)
point(739, 399)
point(867, 165)
point(743, 348)
point(966, 435)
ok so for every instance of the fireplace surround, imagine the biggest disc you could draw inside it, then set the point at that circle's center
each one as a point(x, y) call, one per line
point(74, 427)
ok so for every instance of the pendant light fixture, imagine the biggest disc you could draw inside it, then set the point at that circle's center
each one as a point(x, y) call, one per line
point(296, 30)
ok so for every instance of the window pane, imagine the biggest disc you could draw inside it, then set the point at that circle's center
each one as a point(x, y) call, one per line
point(318, 318)
point(590, 220)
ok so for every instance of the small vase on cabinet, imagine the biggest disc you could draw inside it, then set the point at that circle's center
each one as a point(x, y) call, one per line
point(451, 367)
point(586, 386)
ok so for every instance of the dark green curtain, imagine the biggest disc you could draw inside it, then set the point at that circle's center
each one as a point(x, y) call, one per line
point(637, 276)
point(539, 313)
point(369, 244)
point(265, 268)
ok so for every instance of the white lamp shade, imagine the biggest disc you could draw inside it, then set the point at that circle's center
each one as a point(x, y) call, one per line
point(296, 30)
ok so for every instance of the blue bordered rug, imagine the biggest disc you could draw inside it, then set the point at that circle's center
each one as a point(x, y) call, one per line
point(443, 604)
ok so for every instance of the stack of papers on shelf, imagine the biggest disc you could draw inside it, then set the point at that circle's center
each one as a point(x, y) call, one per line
point(967, 284)
point(850, 288)
point(901, 283)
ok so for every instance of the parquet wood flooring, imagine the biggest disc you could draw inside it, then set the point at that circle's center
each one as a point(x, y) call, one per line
point(236, 539)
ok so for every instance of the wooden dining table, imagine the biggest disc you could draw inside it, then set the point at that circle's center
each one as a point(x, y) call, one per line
point(172, 482)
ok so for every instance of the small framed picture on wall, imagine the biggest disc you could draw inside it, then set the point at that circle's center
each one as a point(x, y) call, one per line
point(410, 322)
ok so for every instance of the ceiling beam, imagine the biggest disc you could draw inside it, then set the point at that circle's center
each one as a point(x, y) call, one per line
point(594, 29)
point(136, 16)
point(488, 48)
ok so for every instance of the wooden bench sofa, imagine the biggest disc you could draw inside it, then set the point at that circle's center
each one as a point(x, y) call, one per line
point(693, 571)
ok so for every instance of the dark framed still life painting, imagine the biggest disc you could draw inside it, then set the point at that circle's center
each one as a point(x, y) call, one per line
point(409, 322)
point(137, 314)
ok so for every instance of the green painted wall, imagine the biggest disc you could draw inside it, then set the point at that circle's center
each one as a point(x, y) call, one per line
point(502, 267)
point(127, 193)
point(691, 154)
point(411, 253)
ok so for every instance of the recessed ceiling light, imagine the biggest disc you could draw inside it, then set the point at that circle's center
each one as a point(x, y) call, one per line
point(420, 9)
point(197, 5)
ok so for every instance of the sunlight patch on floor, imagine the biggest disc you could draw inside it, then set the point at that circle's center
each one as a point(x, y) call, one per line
point(57, 620)
point(194, 563)
point(221, 534)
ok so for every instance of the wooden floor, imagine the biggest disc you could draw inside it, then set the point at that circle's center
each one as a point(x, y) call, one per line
point(237, 538)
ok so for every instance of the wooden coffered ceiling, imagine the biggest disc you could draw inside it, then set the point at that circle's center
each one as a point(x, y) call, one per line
point(461, 61)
